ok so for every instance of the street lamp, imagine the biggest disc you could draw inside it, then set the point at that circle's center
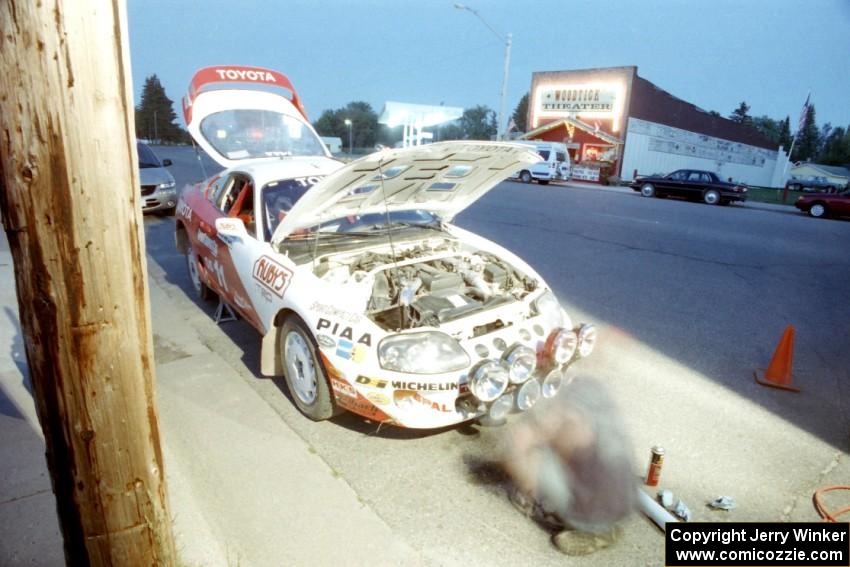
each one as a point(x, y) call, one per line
point(350, 146)
point(507, 41)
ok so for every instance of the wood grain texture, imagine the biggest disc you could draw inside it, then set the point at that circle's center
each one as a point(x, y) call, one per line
point(70, 207)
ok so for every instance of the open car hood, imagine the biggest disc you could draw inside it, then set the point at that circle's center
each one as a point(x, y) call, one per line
point(442, 178)
point(246, 113)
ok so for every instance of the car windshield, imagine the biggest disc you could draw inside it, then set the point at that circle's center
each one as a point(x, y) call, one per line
point(280, 196)
point(252, 133)
point(146, 157)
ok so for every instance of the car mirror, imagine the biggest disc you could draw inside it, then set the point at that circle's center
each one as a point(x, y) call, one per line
point(230, 228)
point(166, 162)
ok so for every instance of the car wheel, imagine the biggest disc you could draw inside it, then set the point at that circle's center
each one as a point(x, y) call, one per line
point(647, 190)
point(304, 373)
point(711, 197)
point(525, 177)
point(201, 289)
point(818, 210)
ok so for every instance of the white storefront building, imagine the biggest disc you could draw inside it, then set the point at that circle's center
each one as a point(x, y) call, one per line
point(617, 123)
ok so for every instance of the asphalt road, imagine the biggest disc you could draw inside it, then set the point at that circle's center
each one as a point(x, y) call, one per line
point(689, 298)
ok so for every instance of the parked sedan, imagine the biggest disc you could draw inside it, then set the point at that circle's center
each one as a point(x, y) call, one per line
point(159, 193)
point(691, 184)
point(821, 205)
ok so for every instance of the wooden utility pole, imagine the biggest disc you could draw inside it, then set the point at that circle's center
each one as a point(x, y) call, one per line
point(70, 205)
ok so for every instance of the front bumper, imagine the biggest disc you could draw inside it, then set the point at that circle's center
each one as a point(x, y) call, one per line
point(158, 199)
point(435, 401)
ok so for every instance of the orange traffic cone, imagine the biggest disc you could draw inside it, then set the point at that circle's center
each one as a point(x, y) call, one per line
point(778, 373)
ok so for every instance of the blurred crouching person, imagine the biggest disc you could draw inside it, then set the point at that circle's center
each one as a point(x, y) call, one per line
point(571, 464)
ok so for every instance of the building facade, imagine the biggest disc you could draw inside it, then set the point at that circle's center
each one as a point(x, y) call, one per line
point(615, 122)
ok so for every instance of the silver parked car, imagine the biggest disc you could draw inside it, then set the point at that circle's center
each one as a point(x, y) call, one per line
point(159, 192)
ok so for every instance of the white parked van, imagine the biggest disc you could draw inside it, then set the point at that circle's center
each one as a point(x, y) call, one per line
point(554, 164)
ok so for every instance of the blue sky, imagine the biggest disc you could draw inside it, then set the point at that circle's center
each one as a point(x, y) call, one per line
point(713, 53)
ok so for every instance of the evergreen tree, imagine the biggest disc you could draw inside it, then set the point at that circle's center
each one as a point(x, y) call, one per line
point(478, 123)
point(785, 138)
point(520, 114)
point(155, 114)
point(740, 114)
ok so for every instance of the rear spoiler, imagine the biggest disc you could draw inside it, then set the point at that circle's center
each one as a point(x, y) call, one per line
point(209, 77)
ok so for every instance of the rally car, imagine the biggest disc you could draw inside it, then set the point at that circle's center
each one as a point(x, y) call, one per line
point(367, 298)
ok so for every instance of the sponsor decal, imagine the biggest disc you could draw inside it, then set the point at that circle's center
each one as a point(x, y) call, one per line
point(271, 275)
point(344, 388)
point(343, 332)
point(227, 224)
point(371, 382)
point(184, 210)
point(350, 351)
point(357, 404)
point(264, 293)
point(424, 386)
point(245, 75)
point(214, 267)
point(325, 341)
point(378, 398)
point(308, 181)
point(333, 312)
point(432, 404)
point(207, 242)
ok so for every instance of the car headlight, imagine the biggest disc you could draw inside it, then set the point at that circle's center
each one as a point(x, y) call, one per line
point(552, 383)
point(561, 345)
point(521, 361)
point(548, 306)
point(422, 353)
point(586, 340)
point(167, 185)
point(489, 380)
point(528, 395)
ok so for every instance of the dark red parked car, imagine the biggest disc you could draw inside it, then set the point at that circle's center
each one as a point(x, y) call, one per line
point(821, 205)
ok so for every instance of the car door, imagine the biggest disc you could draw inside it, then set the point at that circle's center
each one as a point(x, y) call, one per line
point(673, 183)
point(695, 185)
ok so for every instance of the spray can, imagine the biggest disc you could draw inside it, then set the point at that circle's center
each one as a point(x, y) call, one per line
point(656, 460)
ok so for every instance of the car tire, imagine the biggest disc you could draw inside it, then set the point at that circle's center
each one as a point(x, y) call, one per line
point(818, 210)
point(525, 177)
point(201, 289)
point(647, 190)
point(711, 197)
point(304, 373)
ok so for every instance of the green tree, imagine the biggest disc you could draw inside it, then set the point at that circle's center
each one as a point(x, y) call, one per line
point(478, 123)
point(741, 114)
point(155, 114)
point(807, 138)
point(364, 124)
point(785, 138)
point(520, 114)
point(836, 148)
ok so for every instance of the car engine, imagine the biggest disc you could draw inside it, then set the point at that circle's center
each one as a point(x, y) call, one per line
point(429, 284)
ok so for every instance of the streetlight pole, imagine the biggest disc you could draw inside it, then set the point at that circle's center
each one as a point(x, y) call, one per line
point(508, 40)
point(350, 145)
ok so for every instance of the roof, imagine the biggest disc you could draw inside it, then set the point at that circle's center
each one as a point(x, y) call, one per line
point(563, 122)
point(648, 102)
point(834, 170)
point(421, 115)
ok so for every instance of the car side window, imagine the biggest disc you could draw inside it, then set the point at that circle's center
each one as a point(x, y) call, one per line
point(679, 176)
point(695, 176)
point(705, 178)
point(215, 189)
point(238, 201)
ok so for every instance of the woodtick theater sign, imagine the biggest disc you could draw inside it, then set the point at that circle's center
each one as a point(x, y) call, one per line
point(567, 99)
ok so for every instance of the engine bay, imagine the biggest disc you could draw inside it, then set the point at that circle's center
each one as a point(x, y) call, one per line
point(426, 284)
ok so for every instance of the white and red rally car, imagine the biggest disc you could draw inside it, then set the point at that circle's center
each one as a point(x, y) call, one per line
point(367, 298)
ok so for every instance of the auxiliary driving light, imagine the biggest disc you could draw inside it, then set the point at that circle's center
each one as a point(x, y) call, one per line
point(552, 383)
point(501, 407)
point(489, 380)
point(586, 340)
point(522, 361)
point(561, 345)
point(528, 395)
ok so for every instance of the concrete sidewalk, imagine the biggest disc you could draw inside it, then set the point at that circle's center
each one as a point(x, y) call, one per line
point(244, 488)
